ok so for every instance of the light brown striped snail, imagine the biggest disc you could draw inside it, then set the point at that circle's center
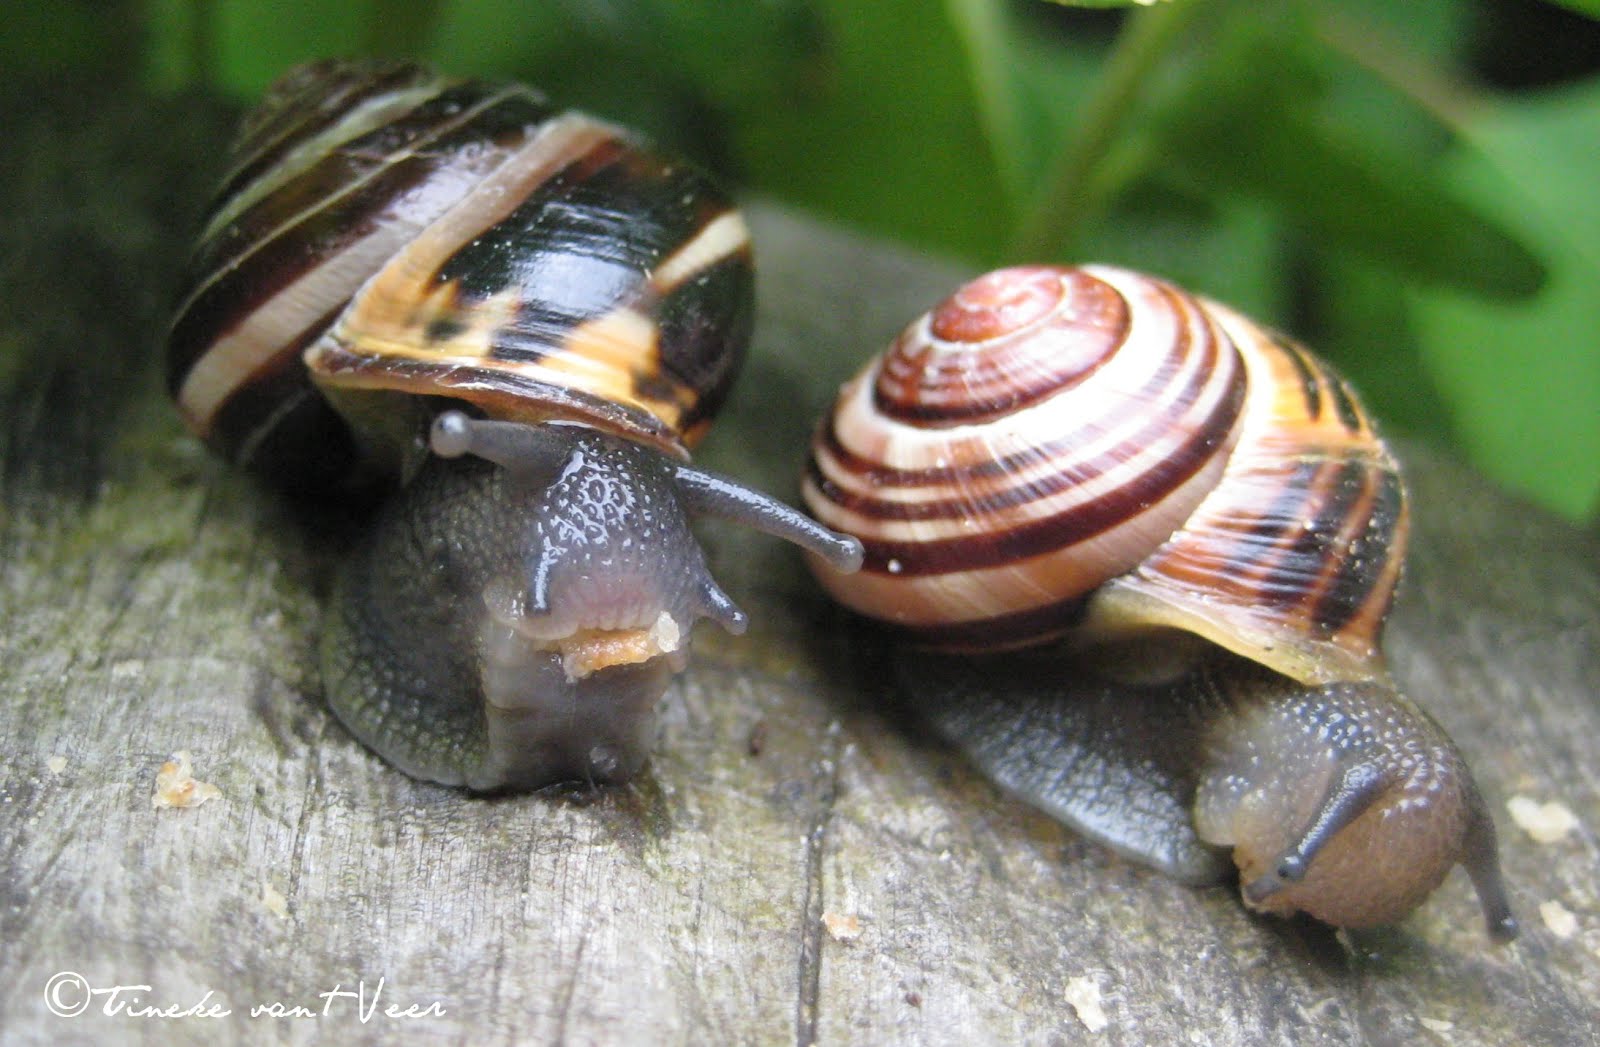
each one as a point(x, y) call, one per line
point(400, 261)
point(1181, 534)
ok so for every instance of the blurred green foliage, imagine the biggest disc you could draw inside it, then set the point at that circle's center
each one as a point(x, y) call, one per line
point(1413, 188)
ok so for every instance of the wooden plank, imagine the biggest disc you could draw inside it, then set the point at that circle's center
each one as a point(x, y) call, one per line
point(796, 865)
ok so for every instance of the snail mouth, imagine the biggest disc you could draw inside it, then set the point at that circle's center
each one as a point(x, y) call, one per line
point(587, 651)
point(582, 648)
point(1259, 893)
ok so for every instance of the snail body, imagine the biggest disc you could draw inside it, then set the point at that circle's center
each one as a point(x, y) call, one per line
point(524, 318)
point(1179, 534)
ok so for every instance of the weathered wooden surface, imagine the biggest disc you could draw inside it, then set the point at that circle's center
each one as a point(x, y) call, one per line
point(151, 602)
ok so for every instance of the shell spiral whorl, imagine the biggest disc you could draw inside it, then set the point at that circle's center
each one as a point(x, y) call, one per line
point(1045, 431)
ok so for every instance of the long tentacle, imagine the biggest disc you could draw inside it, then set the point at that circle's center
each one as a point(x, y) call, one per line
point(713, 495)
point(526, 451)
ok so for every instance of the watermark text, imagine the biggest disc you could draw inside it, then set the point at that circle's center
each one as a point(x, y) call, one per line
point(69, 994)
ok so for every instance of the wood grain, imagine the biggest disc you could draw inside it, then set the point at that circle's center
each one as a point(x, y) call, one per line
point(796, 866)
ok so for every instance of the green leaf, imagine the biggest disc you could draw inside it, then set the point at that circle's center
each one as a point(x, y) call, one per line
point(1109, 3)
point(736, 54)
point(1524, 378)
point(54, 42)
point(1028, 77)
point(402, 28)
point(990, 46)
point(471, 39)
point(1355, 318)
point(1583, 7)
point(886, 136)
point(1252, 127)
point(257, 40)
point(1230, 250)
point(1374, 52)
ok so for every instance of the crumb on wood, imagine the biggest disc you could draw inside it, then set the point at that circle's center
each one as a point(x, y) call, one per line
point(1438, 1025)
point(844, 927)
point(1083, 993)
point(1562, 923)
point(56, 764)
point(127, 669)
point(274, 901)
point(1544, 822)
point(176, 785)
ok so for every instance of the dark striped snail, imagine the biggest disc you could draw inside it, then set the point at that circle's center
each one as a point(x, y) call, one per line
point(1181, 534)
point(400, 261)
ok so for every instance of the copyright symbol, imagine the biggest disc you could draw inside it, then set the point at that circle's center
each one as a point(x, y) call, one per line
point(67, 994)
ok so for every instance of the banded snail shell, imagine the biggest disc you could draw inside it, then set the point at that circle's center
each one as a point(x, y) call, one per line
point(387, 230)
point(1092, 448)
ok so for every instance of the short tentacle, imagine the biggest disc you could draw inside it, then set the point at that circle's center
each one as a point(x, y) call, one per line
point(719, 606)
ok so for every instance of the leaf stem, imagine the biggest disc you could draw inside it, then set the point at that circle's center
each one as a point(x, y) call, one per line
point(1068, 196)
point(977, 24)
point(1452, 102)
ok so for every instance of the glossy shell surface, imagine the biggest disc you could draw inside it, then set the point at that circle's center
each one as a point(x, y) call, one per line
point(1052, 448)
point(384, 229)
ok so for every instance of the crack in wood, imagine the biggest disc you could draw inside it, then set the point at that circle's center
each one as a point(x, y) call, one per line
point(808, 1003)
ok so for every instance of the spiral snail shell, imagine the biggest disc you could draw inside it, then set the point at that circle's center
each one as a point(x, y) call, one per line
point(1180, 534)
point(525, 318)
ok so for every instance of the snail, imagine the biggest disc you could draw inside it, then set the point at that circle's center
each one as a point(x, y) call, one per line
point(1137, 552)
point(525, 318)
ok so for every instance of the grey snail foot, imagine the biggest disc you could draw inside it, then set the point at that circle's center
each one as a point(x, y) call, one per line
point(1112, 761)
point(1343, 801)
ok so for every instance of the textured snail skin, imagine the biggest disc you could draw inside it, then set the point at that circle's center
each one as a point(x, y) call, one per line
point(424, 667)
point(1179, 535)
point(1225, 758)
point(1344, 801)
point(522, 318)
point(523, 603)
